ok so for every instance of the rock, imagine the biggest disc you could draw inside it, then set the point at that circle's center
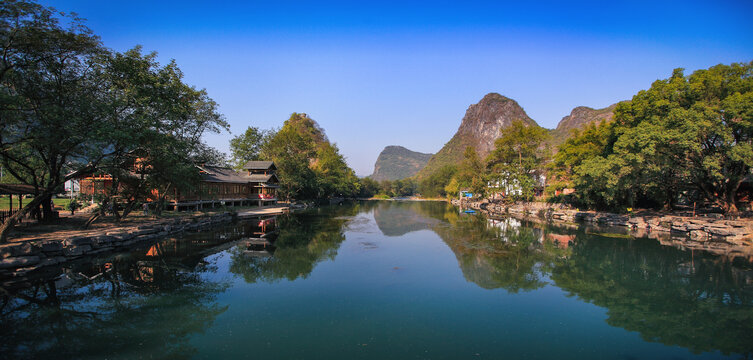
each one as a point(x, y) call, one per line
point(102, 240)
point(18, 249)
point(718, 231)
point(51, 246)
point(73, 251)
point(19, 261)
point(52, 261)
point(78, 241)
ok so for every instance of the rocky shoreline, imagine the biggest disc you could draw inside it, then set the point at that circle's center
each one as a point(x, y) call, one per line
point(729, 237)
point(22, 259)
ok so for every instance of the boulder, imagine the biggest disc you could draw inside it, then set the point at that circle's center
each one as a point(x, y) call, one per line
point(18, 249)
point(19, 261)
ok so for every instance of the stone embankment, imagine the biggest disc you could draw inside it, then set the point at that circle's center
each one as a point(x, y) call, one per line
point(22, 258)
point(693, 232)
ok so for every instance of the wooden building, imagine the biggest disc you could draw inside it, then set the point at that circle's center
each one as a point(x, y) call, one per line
point(256, 184)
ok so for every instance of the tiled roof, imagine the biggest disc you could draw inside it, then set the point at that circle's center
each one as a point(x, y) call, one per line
point(221, 174)
point(258, 165)
point(260, 178)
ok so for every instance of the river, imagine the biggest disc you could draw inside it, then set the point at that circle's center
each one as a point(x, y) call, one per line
point(387, 280)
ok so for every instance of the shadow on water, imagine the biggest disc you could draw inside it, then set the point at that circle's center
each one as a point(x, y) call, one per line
point(700, 301)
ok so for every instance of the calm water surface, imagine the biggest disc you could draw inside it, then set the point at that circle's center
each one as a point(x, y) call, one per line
point(388, 280)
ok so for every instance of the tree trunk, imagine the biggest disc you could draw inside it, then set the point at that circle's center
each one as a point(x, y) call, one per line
point(97, 215)
point(5, 228)
point(47, 208)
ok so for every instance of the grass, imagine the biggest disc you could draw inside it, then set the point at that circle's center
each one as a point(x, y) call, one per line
point(4, 202)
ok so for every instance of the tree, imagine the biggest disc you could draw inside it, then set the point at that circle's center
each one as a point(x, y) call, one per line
point(50, 100)
point(248, 146)
point(686, 134)
point(518, 158)
point(71, 108)
point(471, 174)
point(434, 184)
point(368, 187)
point(695, 129)
point(309, 166)
point(333, 175)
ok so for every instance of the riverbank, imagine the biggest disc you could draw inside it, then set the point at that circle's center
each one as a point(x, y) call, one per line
point(716, 235)
point(24, 256)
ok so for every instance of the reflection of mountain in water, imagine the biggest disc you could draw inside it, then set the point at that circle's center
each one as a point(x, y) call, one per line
point(397, 218)
point(699, 301)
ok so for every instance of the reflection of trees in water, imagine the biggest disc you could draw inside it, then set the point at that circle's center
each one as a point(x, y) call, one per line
point(131, 307)
point(305, 239)
point(695, 300)
point(698, 301)
point(501, 254)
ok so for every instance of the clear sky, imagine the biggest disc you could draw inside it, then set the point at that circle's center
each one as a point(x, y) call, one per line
point(379, 73)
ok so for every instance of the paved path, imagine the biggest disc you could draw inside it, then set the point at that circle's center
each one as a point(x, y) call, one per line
point(267, 210)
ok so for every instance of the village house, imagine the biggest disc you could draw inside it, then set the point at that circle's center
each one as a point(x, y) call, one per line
point(256, 184)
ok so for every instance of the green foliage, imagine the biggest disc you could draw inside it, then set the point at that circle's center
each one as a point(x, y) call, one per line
point(685, 133)
point(470, 176)
point(70, 107)
point(248, 146)
point(308, 165)
point(398, 188)
point(434, 185)
point(368, 187)
point(518, 159)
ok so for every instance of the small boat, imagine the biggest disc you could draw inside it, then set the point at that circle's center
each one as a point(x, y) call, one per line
point(470, 211)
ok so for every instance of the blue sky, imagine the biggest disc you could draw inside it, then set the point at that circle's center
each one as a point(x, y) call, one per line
point(383, 73)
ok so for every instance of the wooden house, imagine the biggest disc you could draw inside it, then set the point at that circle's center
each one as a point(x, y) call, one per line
point(256, 184)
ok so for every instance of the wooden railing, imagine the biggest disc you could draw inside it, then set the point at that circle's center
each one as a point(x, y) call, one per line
point(4, 214)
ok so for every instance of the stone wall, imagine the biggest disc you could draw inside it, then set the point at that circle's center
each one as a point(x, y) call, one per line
point(693, 229)
point(22, 258)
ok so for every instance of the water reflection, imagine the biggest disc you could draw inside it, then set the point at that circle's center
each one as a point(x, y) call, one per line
point(151, 302)
point(304, 240)
point(696, 300)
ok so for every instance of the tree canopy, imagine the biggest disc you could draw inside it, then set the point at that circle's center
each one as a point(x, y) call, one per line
point(70, 107)
point(686, 136)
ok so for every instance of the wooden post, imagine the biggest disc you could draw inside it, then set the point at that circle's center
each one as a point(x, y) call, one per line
point(10, 196)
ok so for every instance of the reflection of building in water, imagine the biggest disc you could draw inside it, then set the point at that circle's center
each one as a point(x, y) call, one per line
point(260, 242)
point(562, 241)
point(505, 224)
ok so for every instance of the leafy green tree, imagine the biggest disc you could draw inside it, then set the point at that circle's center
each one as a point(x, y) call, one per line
point(518, 158)
point(70, 107)
point(368, 187)
point(471, 175)
point(333, 175)
point(684, 134)
point(291, 153)
point(592, 141)
point(434, 184)
point(696, 129)
point(248, 146)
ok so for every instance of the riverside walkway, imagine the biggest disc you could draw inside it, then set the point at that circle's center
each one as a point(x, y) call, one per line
point(264, 211)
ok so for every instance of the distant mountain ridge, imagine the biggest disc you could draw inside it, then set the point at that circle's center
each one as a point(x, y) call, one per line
point(578, 119)
point(396, 162)
point(480, 127)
